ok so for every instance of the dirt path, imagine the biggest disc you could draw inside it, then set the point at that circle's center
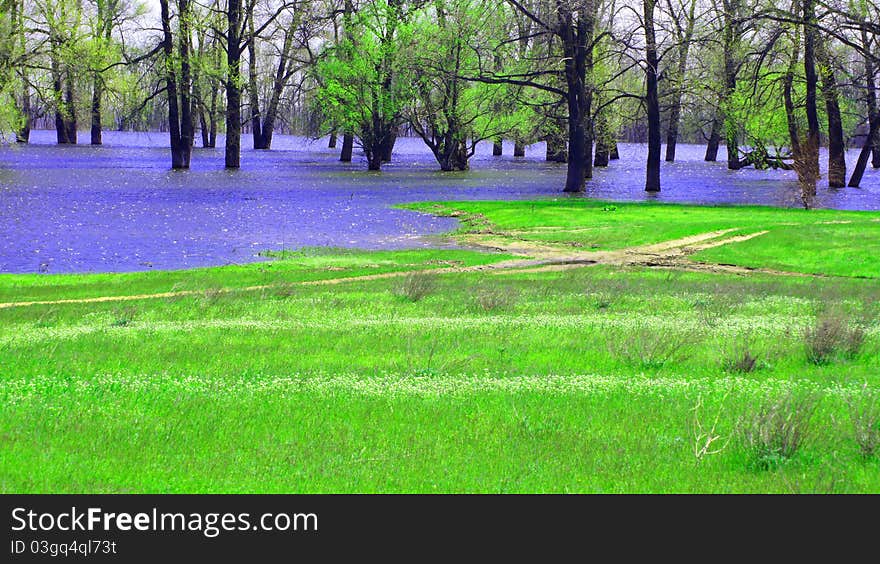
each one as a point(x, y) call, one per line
point(537, 257)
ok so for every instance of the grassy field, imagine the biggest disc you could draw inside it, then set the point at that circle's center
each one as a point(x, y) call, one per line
point(328, 370)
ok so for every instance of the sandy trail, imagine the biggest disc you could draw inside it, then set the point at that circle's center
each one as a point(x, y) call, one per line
point(537, 257)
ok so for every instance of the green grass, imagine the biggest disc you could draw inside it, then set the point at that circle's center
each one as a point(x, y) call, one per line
point(837, 249)
point(301, 265)
point(840, 243)
point(584, 380)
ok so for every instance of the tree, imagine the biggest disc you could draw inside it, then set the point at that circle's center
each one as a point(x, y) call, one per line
point(683, 16)
point(652, 100)
point(363, 84)
point(451, 114)
point(178, 82)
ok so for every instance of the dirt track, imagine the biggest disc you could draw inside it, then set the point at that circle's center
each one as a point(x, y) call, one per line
point(537, 257)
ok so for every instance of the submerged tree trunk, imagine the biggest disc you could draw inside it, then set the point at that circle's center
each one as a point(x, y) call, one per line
point(451, 155)
point(807, 165)
point(684, 35)
point(65, 110)
point(374, 156)
point(203, 126)
point(603, 154)
point(652, 100)
point(871, 146)
point(212, 120)
point(23, 133)
point(180, 124)
point(871, 102)
point(731, 35)
point(388, 145)
point(347, 148)
point(233, 88)
point(836, 144)
point(604, 141)
point(253, 93)
point(97, 88)
point(714, 141)
point(556, 152)
point(70, 102)
point(577, 45)
point(282, 73)
point(862, 163)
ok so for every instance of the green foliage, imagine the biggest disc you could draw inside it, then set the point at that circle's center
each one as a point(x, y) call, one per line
point(451, 113)
point(364, 78)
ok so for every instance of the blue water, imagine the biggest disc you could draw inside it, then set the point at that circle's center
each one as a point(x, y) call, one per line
point(119, 208)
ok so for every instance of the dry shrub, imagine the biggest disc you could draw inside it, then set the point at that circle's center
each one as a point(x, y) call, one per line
point(491, 298)
point(833, 333)
point(864, 412)
point(652, 348)
point(416, 285)
point(742, 358)
point(773, 431)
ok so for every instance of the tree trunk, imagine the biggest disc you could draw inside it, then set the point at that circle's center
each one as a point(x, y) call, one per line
point(577, 44)
point(203, 126)
point(388, 145)
point(212, 120)
point(730, 40)
point(652, 100)
point(807, 165)
point(374, 156)
point(862, 163)
point(836, 144)
point(281, 76)
point(871, 101)
point(23, 133)
point(185, 90)
point(452, 157)
point(714, 141)
point(96, 110)
point(603, 153)
point(684, 37)
point(171, 88)
point(519, 150)
point(180, 124)
point(615, 153)
point(256, 119)
point(672, 131)
point(233, 88)
point(347, 148)
point(70, 102)
point(794, 135)
point(497, 148)
point(575, 177)
point(556, 152)
point(332, 143)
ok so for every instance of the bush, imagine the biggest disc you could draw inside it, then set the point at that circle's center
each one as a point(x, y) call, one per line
point(864, 411)
point(490, 298)
point(775, 430)
point(833, 333)
point(416, 285)
point(713, 309)
point(651, 348)
point(123, 317)
point(742, 359)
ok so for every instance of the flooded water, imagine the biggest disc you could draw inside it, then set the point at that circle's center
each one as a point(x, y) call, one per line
point(119, 208)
